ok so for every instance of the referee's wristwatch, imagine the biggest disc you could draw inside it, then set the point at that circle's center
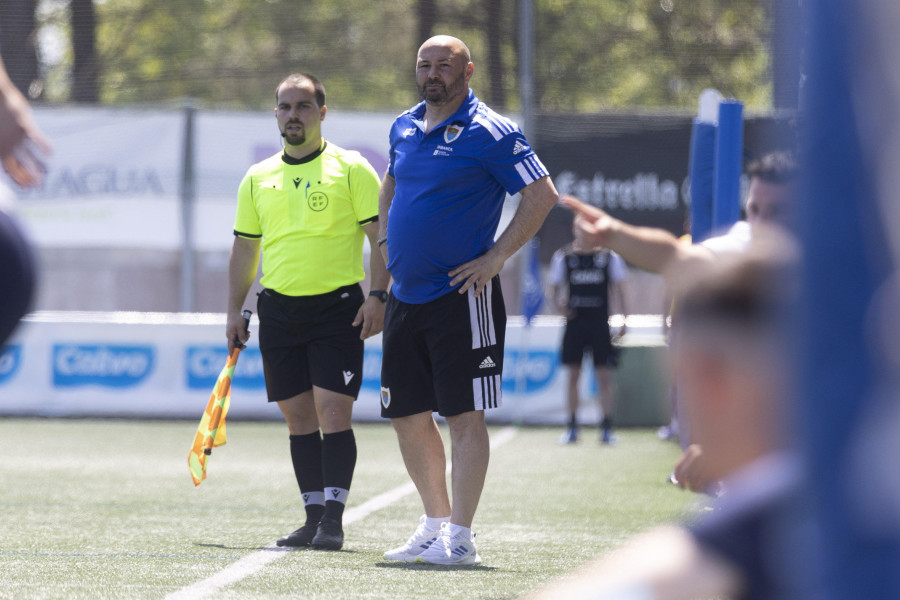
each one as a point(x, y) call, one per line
point(380, 294)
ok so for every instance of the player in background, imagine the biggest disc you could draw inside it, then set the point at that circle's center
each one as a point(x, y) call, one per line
point(20, 142)
point(583, 280)
point(309, 209)
point(670, 431)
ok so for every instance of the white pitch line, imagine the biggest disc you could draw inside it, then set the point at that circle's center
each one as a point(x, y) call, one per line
point(252, 563)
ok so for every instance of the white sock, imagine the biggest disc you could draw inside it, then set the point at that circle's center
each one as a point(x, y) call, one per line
point(457, 529)
point(435, 522)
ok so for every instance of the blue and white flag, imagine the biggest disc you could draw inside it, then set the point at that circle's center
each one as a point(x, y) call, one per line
point(532, 289)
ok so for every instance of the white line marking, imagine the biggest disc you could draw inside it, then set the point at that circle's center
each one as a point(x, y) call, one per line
point(252, 563)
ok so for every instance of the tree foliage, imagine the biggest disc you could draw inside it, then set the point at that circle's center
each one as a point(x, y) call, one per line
point(232, 53)
point(651, 52)
point(18, 45)
point(589, 54)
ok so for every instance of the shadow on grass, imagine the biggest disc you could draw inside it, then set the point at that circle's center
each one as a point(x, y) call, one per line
point(407, 566)
point(226, 547)
point(275, 548)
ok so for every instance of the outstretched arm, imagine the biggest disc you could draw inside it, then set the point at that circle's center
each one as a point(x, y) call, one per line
point(17, 127)
point(648, 248)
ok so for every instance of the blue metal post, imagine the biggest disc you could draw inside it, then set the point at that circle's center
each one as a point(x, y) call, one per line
point(702, 172)
point(729, 155)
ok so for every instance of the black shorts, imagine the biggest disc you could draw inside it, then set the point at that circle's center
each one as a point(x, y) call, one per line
point(445, 355)
point(585, 334)
point(310, 340)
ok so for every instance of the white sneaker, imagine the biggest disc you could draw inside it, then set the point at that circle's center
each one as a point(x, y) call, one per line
point(416, 545)
point(451, 549)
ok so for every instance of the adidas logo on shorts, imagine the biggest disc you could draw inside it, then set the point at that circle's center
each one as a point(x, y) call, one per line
point(487, 363)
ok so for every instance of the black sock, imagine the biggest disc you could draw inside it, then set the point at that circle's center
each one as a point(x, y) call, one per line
point(606, 423)
point(573, 421)
point(338, 462)
point(306, 455)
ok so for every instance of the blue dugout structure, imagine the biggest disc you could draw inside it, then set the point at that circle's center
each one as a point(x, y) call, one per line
point(729, 152)
point(846, 262)
point(715, 170)
point(702, 174)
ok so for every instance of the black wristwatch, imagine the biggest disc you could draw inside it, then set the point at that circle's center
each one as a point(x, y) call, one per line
point(380, 294)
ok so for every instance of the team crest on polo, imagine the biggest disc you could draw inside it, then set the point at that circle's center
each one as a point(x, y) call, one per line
point(452, 132)
point(385, 397)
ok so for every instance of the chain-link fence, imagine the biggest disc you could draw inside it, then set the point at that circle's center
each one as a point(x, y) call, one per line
point(589, 55)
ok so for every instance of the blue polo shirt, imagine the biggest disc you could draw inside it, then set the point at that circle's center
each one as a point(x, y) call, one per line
point(450, 189)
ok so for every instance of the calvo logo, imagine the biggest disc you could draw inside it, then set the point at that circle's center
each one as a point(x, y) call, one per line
point(204, 363)
point(106, 365)
point(529, 372)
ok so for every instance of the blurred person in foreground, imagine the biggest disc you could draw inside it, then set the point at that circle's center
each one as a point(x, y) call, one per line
point(453, 161)
point(770, 201)
point(20, 144)
point(584, 279)
point(731, 357)
point(309, 208)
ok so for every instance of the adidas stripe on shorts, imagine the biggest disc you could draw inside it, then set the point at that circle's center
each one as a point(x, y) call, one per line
point(445, 355)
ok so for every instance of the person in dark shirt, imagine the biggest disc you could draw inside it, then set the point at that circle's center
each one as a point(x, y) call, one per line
point(583, 280)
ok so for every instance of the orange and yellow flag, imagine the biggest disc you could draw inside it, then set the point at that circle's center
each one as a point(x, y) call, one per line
point(211, 431)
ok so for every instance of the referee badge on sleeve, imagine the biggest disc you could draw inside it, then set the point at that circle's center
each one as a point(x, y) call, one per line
point(385, 397)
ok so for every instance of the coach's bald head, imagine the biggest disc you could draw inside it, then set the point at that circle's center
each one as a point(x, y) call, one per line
point(456, 46)
point(443, 70)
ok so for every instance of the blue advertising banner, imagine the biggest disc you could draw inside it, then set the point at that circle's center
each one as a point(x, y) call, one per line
point(10, 359)
point(99, 364)
point(203, 364)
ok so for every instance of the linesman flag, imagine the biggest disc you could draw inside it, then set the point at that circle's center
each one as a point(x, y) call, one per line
point(211, 431)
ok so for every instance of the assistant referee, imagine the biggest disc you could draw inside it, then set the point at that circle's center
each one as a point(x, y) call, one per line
point(309, 209)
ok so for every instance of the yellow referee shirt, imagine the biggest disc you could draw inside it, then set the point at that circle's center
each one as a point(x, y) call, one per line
point(309, 213)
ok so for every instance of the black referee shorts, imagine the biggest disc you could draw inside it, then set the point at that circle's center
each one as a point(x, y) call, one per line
point(445, 355)
point(589, 334)
point(310, 340)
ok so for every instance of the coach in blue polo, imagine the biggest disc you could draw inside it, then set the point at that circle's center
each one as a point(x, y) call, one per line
point(453, 160)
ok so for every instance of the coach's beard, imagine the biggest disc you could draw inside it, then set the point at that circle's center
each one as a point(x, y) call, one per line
point(438, 96)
